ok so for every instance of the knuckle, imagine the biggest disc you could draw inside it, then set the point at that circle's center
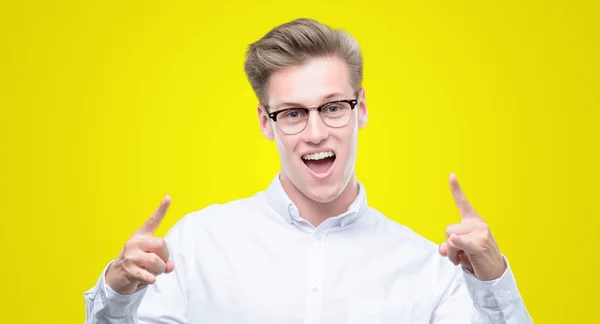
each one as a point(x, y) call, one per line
point(156, 260)
point(479, 243)
point(131, 273)
point(482, 247)
point(487, 236)
point(139, 274)
point(127, 246)
point(131, 243)
point(447, 230)
point(143, 240)
point(128, 258)
point(483, 226)
point(152, 271)
point(162, 266)
point(450, 246)
point(484, 236)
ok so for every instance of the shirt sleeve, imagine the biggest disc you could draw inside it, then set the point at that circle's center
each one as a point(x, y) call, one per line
point(497, 301)
point(104, 305)
point(165, 301)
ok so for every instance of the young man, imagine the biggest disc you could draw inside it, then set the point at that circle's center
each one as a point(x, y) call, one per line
point(308, 249)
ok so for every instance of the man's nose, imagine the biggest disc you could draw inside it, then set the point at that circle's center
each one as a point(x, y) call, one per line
point(316, 131)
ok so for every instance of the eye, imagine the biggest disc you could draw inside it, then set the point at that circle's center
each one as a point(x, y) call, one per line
point(292, 114)
point(335, 109)
point(332, 108)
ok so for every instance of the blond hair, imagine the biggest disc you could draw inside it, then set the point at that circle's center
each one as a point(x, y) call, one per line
point(295, 43)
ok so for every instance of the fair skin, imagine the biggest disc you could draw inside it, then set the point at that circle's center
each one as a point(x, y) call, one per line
point(309, 85)
point(317, 196)
point(143, 257)
point(470, 243)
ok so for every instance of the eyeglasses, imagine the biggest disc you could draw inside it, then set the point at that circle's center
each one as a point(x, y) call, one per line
point(334, 114)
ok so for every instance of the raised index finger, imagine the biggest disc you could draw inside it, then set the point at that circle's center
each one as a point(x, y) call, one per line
point(152, 223)
point(462, 203)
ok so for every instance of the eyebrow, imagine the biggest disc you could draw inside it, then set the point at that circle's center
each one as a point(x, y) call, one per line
point(294, 105)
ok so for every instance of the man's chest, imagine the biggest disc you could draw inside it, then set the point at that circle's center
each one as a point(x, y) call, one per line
point(308, 280)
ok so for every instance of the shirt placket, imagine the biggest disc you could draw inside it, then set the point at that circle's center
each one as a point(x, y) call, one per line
point(314, 298)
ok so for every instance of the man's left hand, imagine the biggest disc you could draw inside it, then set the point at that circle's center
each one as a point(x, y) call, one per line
point(470, 243)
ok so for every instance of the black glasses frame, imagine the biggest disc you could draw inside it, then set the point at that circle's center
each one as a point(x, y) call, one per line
point(352, 103)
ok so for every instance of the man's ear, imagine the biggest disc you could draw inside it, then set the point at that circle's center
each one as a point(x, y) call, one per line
point(363, 112)
point(263, 119)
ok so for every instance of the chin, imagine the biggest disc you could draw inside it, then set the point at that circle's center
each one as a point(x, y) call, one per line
point(323, 194)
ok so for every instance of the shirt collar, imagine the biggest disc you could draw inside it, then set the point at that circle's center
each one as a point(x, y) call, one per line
point(279, 201)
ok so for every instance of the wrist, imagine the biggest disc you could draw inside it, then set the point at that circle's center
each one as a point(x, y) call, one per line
point(120, 285)
point(489, 268)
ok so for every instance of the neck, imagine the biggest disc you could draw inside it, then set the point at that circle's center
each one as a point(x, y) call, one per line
point(317, 212)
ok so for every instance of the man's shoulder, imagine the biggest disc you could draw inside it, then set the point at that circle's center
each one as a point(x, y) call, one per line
point(217, 222)
point(236, 210)
point(402, 234)
point(403, 243)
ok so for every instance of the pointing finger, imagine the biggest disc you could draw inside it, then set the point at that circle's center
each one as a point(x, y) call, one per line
point(461, 228)
point(152, 223)
point(467, 211)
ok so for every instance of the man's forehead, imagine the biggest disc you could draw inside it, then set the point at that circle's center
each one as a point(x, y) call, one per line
point(309, 84)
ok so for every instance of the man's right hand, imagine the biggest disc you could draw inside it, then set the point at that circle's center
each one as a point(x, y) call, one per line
point(143, 258)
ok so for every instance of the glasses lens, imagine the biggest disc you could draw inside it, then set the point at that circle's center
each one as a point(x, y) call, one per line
point(336, 114)
point(292, 121)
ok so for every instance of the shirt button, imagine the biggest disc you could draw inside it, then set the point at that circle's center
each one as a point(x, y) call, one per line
point(316, 288)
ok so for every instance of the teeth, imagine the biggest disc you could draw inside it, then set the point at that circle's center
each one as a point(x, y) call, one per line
point(318, 156)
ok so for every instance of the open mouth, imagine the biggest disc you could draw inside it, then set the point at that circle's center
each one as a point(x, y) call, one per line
point(319, 163)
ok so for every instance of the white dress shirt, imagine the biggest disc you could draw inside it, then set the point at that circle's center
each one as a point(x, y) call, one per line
point(255, 260)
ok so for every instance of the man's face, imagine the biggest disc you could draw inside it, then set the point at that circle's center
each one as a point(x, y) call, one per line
point(320, 81)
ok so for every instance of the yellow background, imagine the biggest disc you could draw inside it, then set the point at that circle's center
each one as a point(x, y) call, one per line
point(107, 106)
